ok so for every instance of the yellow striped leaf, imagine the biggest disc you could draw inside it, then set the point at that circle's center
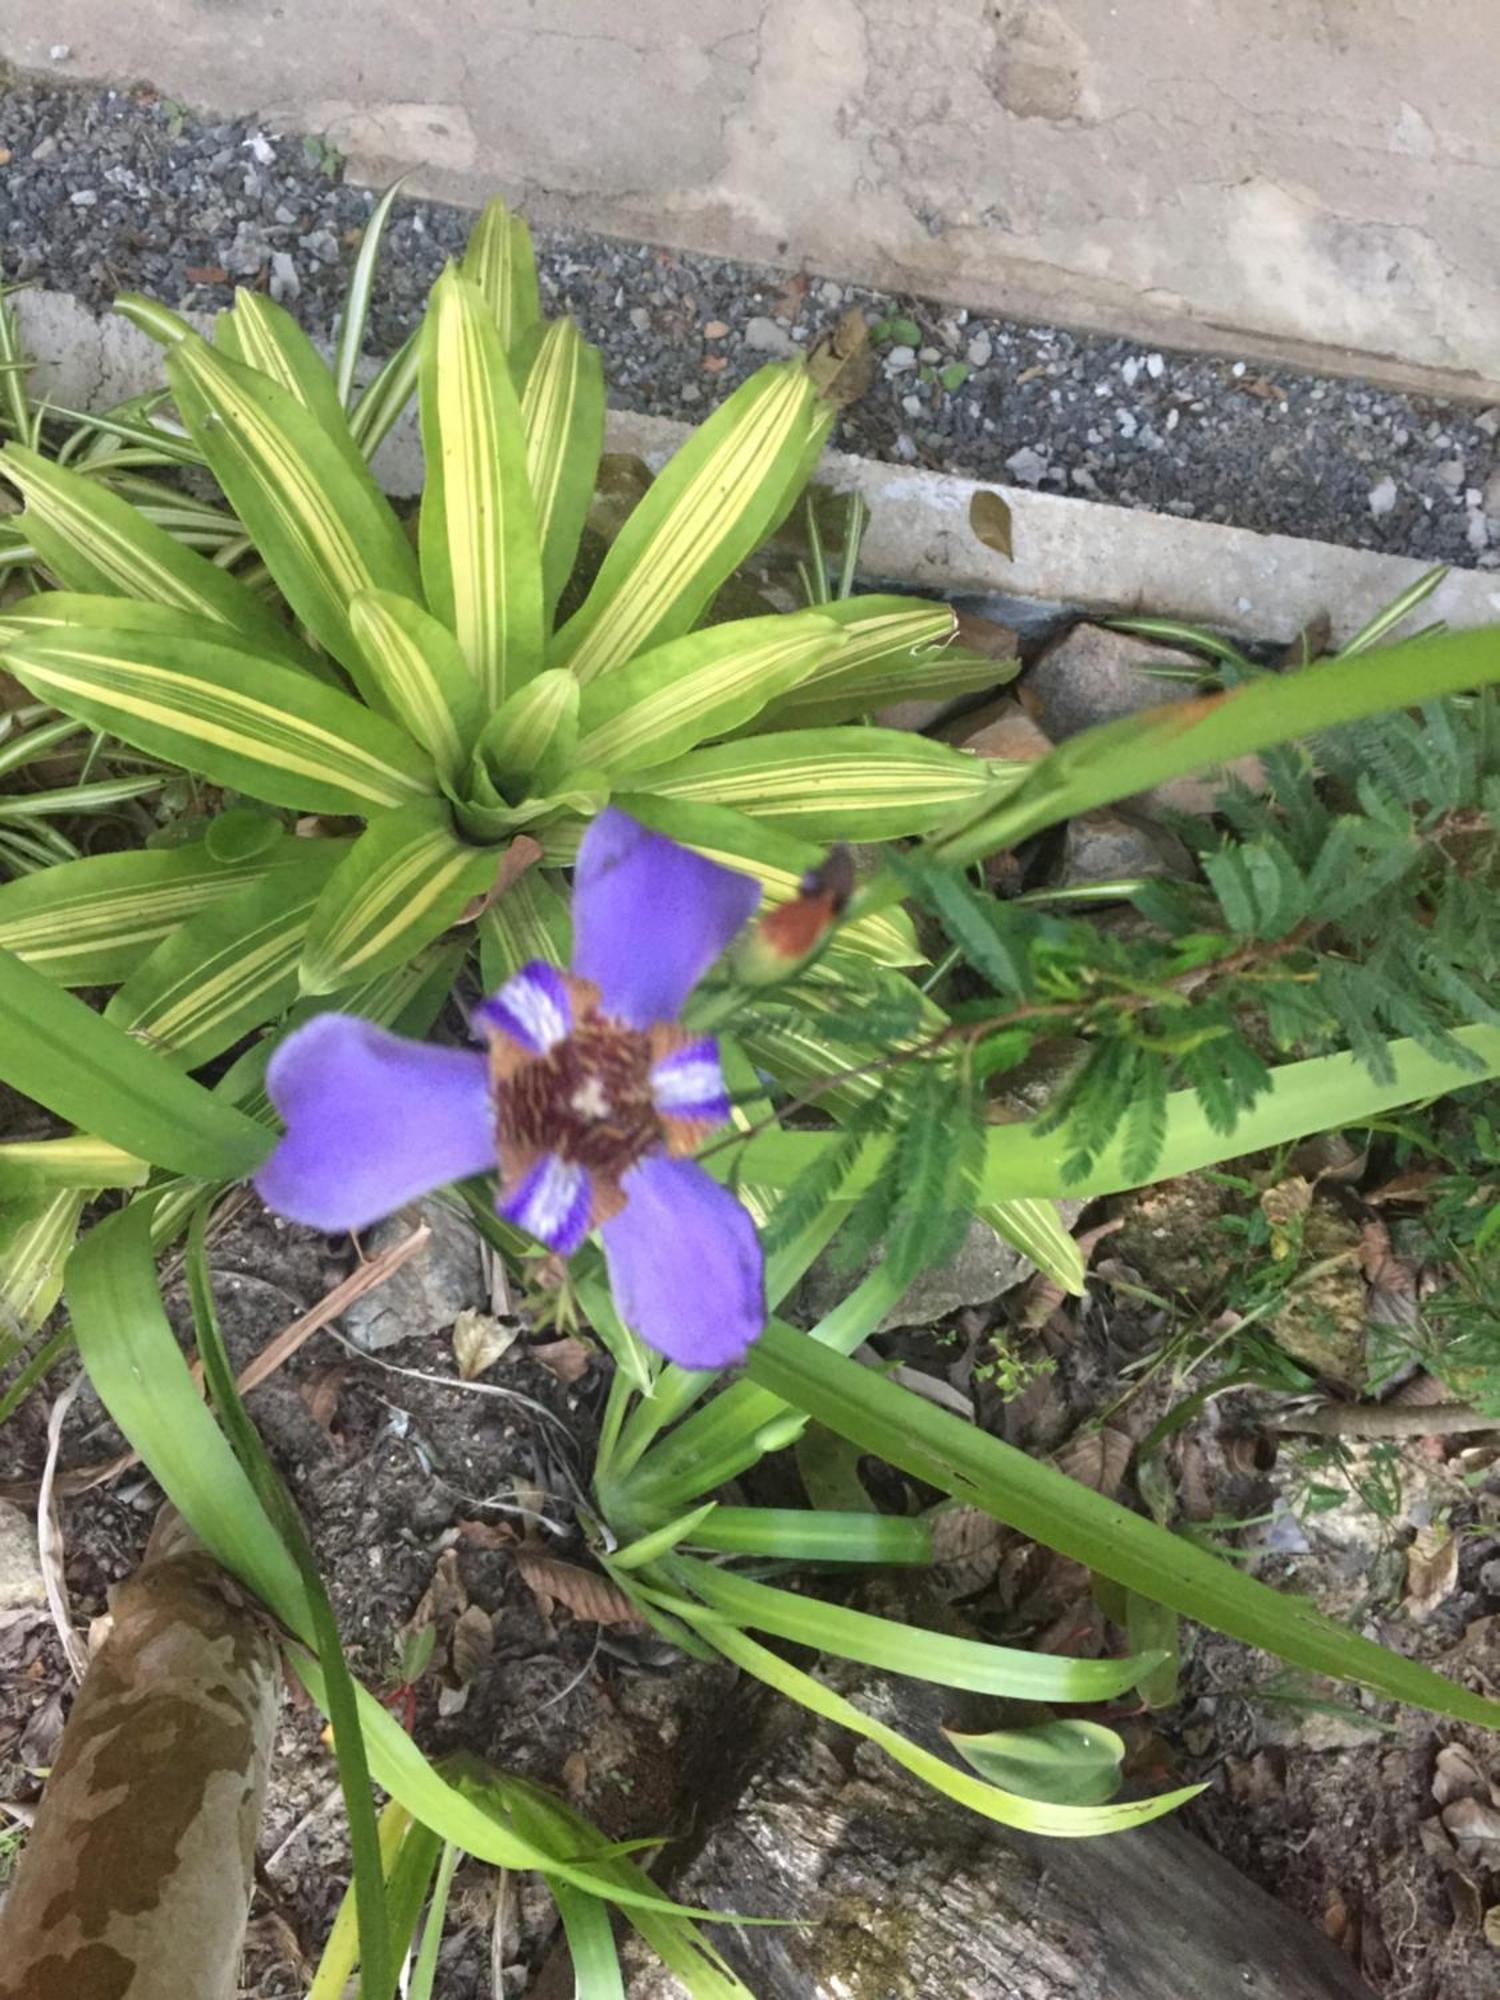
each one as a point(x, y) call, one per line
point(260, 334)
point(79, 1160)
point(323, 527)
point(91, 922)
point(899, 649)
point(702, 685)
point(481, 559)
point(418, 669)
point(500, 263)
point(1035, 1228)
point(530, 921)
point(232, 968)
point(833, 784)
point(405, 880)
point(563, 411)
point(777, 860)
point(251, 724)
point(36, 1235)
point(713, 503)
point(94, 541)
point(535, 728)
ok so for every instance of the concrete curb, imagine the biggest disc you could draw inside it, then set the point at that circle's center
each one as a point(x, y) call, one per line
point(1081, 554)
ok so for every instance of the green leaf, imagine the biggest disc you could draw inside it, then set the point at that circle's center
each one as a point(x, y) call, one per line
point(93, 541)
point(404, 881)
point(250, 724)
point(31, 1165)
point(898, 649)
point(90, 922)
point(563, 413)
point(501, 264)
point(416, 673)
point(831, 784)
point(481, 557)
point(709, 508)
point(1037, 1230)
point(91, 1074)
point(1045, 1504)
point(800, 1534)
point(356, 312)
point(36, 1235)
point(1068, 1761)
point(323, 527)
point(262, 335)
point(231, 968)
point(531, 740)
point(531, 920)
point(702, 685)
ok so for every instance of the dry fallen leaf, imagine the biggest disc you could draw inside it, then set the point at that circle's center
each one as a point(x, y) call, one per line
point(206, 274)
point(1431, 1570)
point(321, 1392)
point(1098, 1459)
point(486, 1534)
point(1475, 1827)
point(1492, 1926)
point(966, 1545)
point(583, 1591)
point(479, 1341)
point(1282, 1206)
point(473, 1642)
point(715, 329)
point(567, 1359)
point(1456, 1775)
point(575, 1775)
point(989, 518)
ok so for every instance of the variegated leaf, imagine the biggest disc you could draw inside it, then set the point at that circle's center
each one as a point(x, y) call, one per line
point(232, 968)
point(533, 735)
point(93, 541)
point(417, 668)
point(405, 880)
point(563, 411)
point(713, 503)
point(529, 921)
point(1035, 1228)
point(899, 649)
point(77, 1161)
point(481, 558)
point(36, 1234)
point(262, 335)
point(832, 784)
point(702, 685)
point(322, 525)
point(251, 724)
point(500, 263)
point(91, 922)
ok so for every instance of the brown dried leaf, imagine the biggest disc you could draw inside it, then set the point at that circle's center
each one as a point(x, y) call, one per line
point(966, 1546)
point(473, 1642)
point(479, 1341)
point(567, 1359)
point(575, 1775)
point(486, 1534)
point(1475, 1827)
point(444, 1600)
point(989, 518)
point(321, 1393)
point(206, 274)
point(1283, 1206)
point(1491, 1927)
point(584, 1592)
point(1431, 1570)
point(1098, 1459)
point(1409, 1187)
point(1456, 1775)
point(42, 1734)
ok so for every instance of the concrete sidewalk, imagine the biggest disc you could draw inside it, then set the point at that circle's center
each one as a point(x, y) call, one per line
point(1308, 180)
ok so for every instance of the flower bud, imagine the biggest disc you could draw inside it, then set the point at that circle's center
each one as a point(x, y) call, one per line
point(792, 934)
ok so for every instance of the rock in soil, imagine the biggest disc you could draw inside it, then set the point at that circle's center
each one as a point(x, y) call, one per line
point(1107, 846)
point(427, 1294)
point(20, 1566)
point(982, 1268)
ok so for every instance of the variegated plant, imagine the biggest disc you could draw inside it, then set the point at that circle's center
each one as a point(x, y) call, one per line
point(413, 712)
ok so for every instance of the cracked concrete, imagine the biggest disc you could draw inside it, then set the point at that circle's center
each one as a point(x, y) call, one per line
point(1316, 181)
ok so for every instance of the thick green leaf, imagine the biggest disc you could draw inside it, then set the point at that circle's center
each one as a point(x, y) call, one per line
point(711, 506)
point(251, 724)
point(92, 1074)
point(481, 557)
point(501, 264)
point(1036, 1499)
point(531, 920)
point(231, 968)
point(92, 540)
point(262, 335)
point(323, 527)
point(1071, 1761)
point(36, 1235)
point(705, 684)
point(32, 1165)
point(417, 675)
point(800, 1534)
point(563, 412)
point(898, 649)
point(356, 312)
point(90, 922)
point(405, 880)
point(830, 784)
point(532, 738)
point(1037, 1230)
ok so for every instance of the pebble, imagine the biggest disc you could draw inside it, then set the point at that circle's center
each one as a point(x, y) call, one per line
point(84, 198)
point(1156, 366)
point(1383, 498)
point(715, 329)
point(1453, 474)
point(929, 355)
point(765, 336)
point(1027, 465)
point(1490, 495)
point(285, 284)
point(1488, 421)
point(912, 405)
point(59, 52)
point(1130, 371)
point(640, 319)
point(899, 360)
point(979, 350)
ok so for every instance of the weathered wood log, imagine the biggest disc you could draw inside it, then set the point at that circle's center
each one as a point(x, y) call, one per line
point(895, 1894)
point(135, 1882)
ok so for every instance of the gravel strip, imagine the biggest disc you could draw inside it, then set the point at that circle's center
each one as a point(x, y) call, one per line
point(123, 190)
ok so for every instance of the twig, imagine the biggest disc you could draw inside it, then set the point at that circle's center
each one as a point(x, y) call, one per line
point(49, 1536)
point(1386, 1420)
point(364, 1278)
point(312, 1813)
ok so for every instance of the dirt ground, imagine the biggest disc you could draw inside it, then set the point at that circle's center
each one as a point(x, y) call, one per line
point(426, 1489)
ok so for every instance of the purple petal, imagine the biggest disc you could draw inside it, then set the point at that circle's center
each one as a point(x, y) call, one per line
point(689, 1084)
point(650, 917)
point(685, 1265)
point(372, 1120)
point(532, 1007)
point(552, 1202)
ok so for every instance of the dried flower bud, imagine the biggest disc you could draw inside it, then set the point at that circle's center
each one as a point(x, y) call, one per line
point(787, 937)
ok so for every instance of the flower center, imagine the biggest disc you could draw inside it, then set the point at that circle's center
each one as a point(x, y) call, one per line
point(588, 1100)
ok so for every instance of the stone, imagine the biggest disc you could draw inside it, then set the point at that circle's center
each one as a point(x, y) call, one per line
point(979, 350)
point(1453, 474)
point(428, 1293)
point(84, 198)
point(900, 360)
point(1383, 498)
point(1093, 674)
point(982, 1269)
point(766, 337)
point(1491, 495)
point(1156, 366)
point(1001, 729)
point(21, 1582)
point(640, 319)
point(1028, 465)
point(1488, 421)
point(1109, 846)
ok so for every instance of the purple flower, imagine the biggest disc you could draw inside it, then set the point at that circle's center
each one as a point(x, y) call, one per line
point(590, 1096)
